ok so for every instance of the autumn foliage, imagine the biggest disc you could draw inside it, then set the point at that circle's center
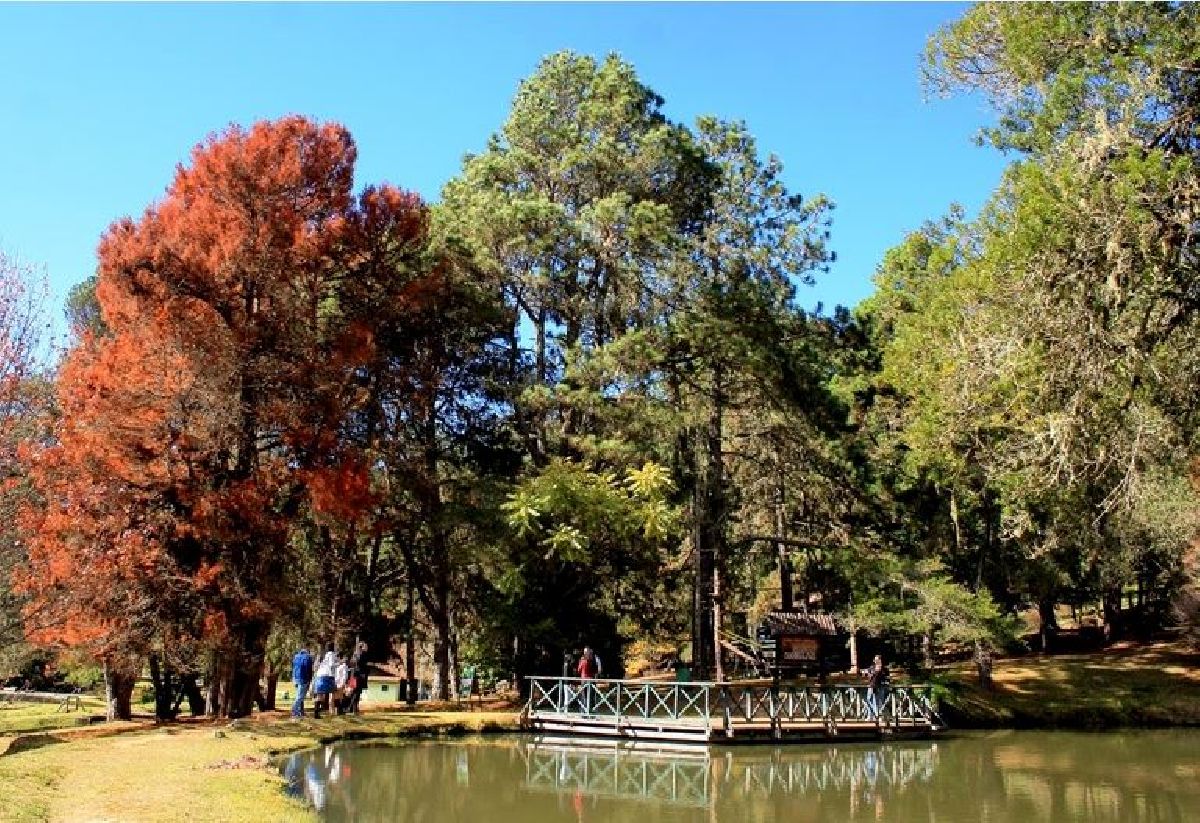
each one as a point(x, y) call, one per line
point(23, 399)
point(239, 312)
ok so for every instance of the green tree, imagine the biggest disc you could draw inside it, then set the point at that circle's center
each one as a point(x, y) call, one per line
point(575, 208)
point(576, 204)
point(728, 373)
point(1092, 250)
point(83, 309)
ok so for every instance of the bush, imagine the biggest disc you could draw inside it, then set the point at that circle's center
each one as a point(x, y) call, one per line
point(88, 677)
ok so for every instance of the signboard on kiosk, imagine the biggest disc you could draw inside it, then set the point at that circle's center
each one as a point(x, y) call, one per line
point(798, 650)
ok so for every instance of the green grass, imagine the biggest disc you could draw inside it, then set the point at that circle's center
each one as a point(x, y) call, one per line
point(32, 717)
point(1154, 684)
point(190, 771)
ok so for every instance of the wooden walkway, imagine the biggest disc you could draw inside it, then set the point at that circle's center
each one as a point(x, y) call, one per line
point(723, 712)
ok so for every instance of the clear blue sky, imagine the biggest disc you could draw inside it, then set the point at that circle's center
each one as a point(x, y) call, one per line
point(98, 103)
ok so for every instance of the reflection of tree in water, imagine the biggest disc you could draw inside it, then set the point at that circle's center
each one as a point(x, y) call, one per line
point(1021, 777)
point(1102, 777)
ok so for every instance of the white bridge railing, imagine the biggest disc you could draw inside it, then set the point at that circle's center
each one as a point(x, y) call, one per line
point(726, 706)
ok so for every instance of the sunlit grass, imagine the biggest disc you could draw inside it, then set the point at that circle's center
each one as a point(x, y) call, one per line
point(29, 717)
point(190, 771)
point(1126, 684)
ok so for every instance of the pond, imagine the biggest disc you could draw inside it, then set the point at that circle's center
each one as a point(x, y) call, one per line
point(1018, 776)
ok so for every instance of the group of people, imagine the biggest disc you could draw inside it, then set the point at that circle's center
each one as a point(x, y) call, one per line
point(337, 683)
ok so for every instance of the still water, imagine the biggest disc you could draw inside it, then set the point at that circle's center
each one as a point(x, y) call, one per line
point(996, 777)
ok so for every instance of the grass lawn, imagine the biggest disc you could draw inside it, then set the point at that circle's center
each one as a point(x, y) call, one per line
point(1127, 684)
point(188, 771)
point(29, 717)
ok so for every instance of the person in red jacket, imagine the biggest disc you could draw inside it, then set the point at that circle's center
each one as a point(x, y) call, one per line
point(587, 667)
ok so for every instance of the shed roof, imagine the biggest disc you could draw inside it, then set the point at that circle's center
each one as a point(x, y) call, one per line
point(813, 623)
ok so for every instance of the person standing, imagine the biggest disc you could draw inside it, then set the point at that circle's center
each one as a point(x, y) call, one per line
point(587, 670)
point(877, 679)
point(324, 684)
point(341, 675)
point(302, 672)
point(569, 671)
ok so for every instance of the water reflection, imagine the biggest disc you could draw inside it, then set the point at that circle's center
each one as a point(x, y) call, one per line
point(694, 778)
point(1010, 776)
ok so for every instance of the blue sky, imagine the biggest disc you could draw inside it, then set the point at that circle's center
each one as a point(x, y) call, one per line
point(98, 103)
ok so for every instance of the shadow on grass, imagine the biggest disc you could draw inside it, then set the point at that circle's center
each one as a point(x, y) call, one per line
point(29, 742)
point(1126, 685)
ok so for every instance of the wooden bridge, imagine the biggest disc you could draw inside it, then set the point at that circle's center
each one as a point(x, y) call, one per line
point(724, 712)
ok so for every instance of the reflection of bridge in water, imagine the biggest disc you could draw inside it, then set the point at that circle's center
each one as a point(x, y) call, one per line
point(692, 777)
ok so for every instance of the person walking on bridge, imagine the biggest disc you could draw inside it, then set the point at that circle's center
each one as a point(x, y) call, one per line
point(877, 681)
point(587, 669)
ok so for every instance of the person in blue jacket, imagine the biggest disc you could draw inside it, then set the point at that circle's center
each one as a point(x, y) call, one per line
point(302, 672)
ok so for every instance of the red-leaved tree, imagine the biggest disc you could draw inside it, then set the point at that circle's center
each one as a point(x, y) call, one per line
point(23, 408)
point(210, 413)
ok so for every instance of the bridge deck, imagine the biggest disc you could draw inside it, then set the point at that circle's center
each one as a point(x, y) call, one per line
point(724, 712)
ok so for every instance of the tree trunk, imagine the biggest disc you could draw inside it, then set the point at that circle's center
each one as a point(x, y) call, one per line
point(708, 504)
point(118, 692)
point(787, 599)
point(215, 678)
point(441, 653)
point(854, 652)
point(983, 666)
point(718, 665)
point(272, 688)
point(1049, 623)
point(1112, 615)
point(515, 675)
point(410, 653)
point(954, 520)
point(540, 444)
point(164, 689)
point(715, 504)
point(702, 593)
point(240, 669)
point(191, 690)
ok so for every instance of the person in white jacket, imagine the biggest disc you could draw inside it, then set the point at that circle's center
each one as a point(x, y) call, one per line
point(324, 682)
point(340, 675)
